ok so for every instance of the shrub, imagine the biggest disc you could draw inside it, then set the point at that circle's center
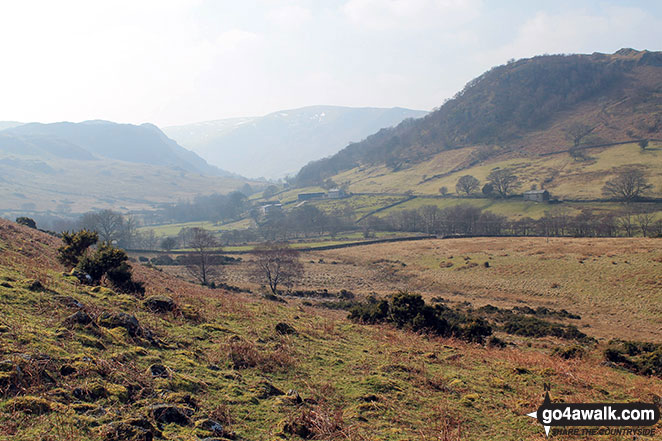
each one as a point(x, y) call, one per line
point(122, 280)
point(162, 260)
point(639, 357)
point(26, 221)
point(534, 327)
point(409, 311)
point(75, 246)
point(476, 331)
point(569, 352)
point(110, 262)
point(371, 312)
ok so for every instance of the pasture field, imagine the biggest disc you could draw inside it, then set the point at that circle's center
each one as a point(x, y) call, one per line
point(614, 284)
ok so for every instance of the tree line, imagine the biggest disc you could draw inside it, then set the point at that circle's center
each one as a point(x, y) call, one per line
point(468, 220)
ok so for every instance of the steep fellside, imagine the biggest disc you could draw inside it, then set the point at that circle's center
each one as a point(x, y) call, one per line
point(527, 107)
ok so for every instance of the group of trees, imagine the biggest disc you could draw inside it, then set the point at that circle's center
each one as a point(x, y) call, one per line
point(275, 264)
point(501, 182)
point(303, 221)
point(214, 208)
point(463, 219)
point(468, 220)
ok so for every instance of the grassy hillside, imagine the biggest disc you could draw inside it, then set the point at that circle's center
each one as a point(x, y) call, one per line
point(71, 186)
point(563, 176)
point(73, 367)
point(532, 106)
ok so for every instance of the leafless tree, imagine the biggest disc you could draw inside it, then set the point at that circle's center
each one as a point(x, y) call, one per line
point(168, 243)
point(626, 222)
point(467, 184)
point(277, 264)
point(202, 263)
point(503, 181)
point(657, 228)
point(628, 186)
point(578, 131)
point(107, 223)
point(645, 220)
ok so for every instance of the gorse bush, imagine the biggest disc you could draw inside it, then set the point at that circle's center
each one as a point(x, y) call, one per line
point(106, 260)
point(75, 246)
point(409, 311)
point(534, 327)
point(640, 357)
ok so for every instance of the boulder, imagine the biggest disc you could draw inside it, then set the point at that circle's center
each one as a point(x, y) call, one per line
point(167, 413)
point(285, 329)
point(120, 320)
point(158, 370)
point(159, 304)
point(210, 425)
point(78, 318)
point(266, 390)
point(136, 429)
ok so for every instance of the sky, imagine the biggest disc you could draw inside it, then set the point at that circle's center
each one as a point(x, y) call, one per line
point(173, 62)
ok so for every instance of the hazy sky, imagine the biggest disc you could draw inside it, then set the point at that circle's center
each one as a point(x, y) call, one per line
point(178, 61)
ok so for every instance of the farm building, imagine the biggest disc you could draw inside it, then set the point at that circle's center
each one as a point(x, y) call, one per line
point(536, 195)
point(271, 208)
point(309, 196)
point(336, 193)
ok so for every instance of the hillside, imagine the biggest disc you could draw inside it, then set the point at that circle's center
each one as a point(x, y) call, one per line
point(123, 167)
point(86, 363)
point(563, 176)
point(8, 124)
point(144, 144)
point(523, 109)
point(289, 138)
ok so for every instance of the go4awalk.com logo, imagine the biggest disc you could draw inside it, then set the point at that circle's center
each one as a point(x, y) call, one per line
point(628, 419)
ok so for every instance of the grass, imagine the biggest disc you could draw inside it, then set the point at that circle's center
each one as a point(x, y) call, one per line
point(561, 175)
point(172, 230)
point(511, 208)
point(224, 357)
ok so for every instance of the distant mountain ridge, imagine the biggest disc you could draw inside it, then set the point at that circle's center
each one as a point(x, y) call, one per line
point(526, 107)
point(67, 168)
point(282, 142)
point(145, 144)
point(9, 124)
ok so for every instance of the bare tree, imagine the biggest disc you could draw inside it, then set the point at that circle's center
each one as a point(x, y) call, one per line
point(657, 228)
point(202, 263)
point(467, 184)
point(503, 181)
point(628, 186)
point(277, 264)
point(626, 222)
point(168, 243)
point(107, 223)
point(128, 232)
point(645, 220)
point(578, 131)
